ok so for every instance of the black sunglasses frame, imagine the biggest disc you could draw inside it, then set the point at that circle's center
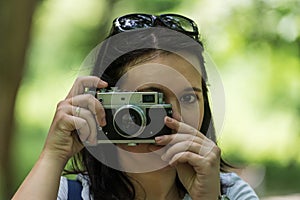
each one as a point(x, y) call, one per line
point(156, 20)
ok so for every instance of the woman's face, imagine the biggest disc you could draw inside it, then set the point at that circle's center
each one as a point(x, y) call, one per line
point(177, 79)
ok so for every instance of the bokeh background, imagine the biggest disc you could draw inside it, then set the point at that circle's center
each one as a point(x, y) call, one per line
point(255, 45)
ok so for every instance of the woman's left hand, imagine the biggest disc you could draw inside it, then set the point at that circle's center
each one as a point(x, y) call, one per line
point(195, 157)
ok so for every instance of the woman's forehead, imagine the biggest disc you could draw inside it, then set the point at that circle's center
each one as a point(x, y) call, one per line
point(184, 63)
point(168, 70)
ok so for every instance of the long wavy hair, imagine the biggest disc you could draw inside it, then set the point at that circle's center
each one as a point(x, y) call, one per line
point(112, 59)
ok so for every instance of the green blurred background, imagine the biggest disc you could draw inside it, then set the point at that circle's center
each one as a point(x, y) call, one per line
point(255, 45)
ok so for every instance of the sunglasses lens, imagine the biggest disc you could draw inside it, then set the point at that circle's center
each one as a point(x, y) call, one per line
point(135, 21)
point(172, 21)
point(178, 23)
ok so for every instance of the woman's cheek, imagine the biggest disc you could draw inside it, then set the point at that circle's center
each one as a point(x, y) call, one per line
point(192, 116)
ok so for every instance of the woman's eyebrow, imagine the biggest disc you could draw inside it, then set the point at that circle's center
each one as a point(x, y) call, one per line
point(156, 89)
point(194, 89)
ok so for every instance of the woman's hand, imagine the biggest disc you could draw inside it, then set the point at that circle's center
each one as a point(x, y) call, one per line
point(77, 112)
point(195, 157)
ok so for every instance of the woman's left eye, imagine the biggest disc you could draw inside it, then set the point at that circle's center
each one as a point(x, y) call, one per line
point(188, 98)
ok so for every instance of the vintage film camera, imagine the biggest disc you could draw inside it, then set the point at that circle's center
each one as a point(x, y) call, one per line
point(132, 117)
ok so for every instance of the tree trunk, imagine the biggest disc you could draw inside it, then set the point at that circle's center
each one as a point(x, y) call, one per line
point(15, 23)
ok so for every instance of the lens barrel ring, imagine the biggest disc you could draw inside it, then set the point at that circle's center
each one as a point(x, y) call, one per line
point(133, 116)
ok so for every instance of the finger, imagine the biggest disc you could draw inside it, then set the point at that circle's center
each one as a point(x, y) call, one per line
point(85, 82)
point(80, 119)
point(70, 123)
point(85, 123)
point(175, 138)
point(203, 149)
point(207, 147)
point(90, 102)
point(76, 141)
point(186, 157)
point(181, 147)
point(82, 128)
point(90, 136)
point(211, 159)
point(182, 127)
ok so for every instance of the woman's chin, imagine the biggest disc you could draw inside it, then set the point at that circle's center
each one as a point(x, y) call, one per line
point(141, 158)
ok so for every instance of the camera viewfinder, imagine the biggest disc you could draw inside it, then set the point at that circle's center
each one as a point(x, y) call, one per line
point(148, 98)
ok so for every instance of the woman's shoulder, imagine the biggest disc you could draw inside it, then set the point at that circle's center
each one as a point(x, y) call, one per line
point(236, 188)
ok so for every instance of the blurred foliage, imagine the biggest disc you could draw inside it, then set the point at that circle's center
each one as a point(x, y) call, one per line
point(152, 6)
point(255, 45)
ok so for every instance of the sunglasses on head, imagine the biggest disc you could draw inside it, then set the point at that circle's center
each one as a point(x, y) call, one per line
point(171, 21)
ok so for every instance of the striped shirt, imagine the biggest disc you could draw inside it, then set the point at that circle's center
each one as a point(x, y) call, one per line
point(234, 187)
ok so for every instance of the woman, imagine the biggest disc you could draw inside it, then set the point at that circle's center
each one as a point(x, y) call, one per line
point(143, 53)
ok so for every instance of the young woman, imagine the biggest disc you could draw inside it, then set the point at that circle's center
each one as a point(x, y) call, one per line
point(143, 53)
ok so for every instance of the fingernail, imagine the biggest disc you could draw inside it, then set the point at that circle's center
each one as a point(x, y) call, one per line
point(169, 119)
point(171, 163)
point(98, 120)
point(103, 122)
point(89, 143)
point(104, 82)
point(159, 139)
point(94, 142)
point(99, 128)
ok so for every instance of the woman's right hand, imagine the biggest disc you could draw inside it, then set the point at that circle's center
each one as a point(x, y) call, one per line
point(79, 112)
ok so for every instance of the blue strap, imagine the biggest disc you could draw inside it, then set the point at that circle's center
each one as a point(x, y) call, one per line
point(74, 190)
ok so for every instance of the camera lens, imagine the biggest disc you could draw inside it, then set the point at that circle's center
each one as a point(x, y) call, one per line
point(129, 121)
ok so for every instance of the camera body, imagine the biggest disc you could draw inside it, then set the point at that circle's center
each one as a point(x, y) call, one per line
point(132, 117)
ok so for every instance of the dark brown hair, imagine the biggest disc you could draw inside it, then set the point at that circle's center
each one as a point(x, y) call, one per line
point(112, 58)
